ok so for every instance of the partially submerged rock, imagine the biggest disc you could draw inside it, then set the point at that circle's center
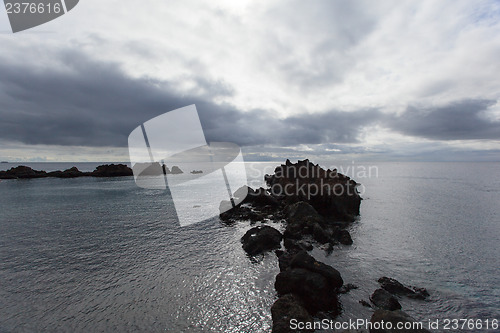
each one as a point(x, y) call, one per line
point(106, 170)
point(332, 194)
point(176, 170)
point(347, 288)
point(68, 173)
point(316, 283)
point(302, 219)
point(112, 170)
point(397, 288)
point(383, 299)
point(285, 308)
point(22, 172)
point(394, 317)
point(261, 239)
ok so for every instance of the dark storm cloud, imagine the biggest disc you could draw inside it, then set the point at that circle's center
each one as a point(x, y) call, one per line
point(90, 103)
point(462, 120)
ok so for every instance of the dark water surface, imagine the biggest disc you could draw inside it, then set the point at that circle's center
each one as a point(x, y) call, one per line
point(92, 254)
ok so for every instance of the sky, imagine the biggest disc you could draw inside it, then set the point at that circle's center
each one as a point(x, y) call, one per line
point(364, 80)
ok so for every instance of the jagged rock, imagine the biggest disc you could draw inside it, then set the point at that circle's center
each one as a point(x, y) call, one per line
point(22, 172)
point(284, 259)
point(383, 299)
point(302, 219)
point(148, 169)
point(393, 317)
point(176, 170)
point(345, 237)
point(260, 239)
point(303, 260)
point(68, 173)
point(112, 170)
point(332, 194)
point(297, 245)
point(365, 303)
point(314, 282)
point(395, 287)
point(313, 288)
point(320, 235)
point(347, 287)
point(285, 308)
point(238, 213)
point(259, 197)
point(301, 211)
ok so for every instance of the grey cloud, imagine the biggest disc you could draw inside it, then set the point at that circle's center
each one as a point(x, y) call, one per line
point(460, 120)
point(90, 103)
point(94, 104)
point(314, 49)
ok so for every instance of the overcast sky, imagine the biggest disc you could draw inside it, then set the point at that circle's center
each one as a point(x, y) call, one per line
point(415, 80)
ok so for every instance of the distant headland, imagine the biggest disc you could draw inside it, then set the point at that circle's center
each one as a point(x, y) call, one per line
point(105, 170)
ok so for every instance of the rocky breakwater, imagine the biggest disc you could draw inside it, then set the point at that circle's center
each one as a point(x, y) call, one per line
point(106, 170)
point(312, 207)
point(332, 194)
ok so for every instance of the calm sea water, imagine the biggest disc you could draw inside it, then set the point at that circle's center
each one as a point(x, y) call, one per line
point(91, 254)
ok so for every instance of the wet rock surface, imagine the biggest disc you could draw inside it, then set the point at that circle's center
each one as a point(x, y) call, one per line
point(383, 299)
point(285, 308)
point(308, 288)
point(397, 288)
point(393, 317)
point(261, 239)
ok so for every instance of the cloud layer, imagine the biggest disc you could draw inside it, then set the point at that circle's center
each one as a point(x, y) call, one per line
point(339, 76)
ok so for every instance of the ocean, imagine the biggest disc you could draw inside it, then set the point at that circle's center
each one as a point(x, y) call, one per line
point(101, 254)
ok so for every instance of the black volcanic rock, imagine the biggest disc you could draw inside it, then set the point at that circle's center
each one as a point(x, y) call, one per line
point(306, 261)
point(261, 239)
point(22, 172)
point(383, 299)
point(332, 194)
point(68, 173)
point(312, 288)
point(258, 197)
point(302, 219)
point(393, 317)
point(112, 170)
point(316, 283)
point(397, 288)
point(285, 308)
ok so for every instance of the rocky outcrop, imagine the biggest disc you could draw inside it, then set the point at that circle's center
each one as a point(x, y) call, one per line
point(285, 308)
point(68, 173)
point(381, 316)
point(332, 194)
point(302, 219)
point(261, 239)
point(111, 170)
point(315, 283)
point(397, 288)
point(22, 172)
point(383, 299)
point(315, 206)
point(176, 170)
